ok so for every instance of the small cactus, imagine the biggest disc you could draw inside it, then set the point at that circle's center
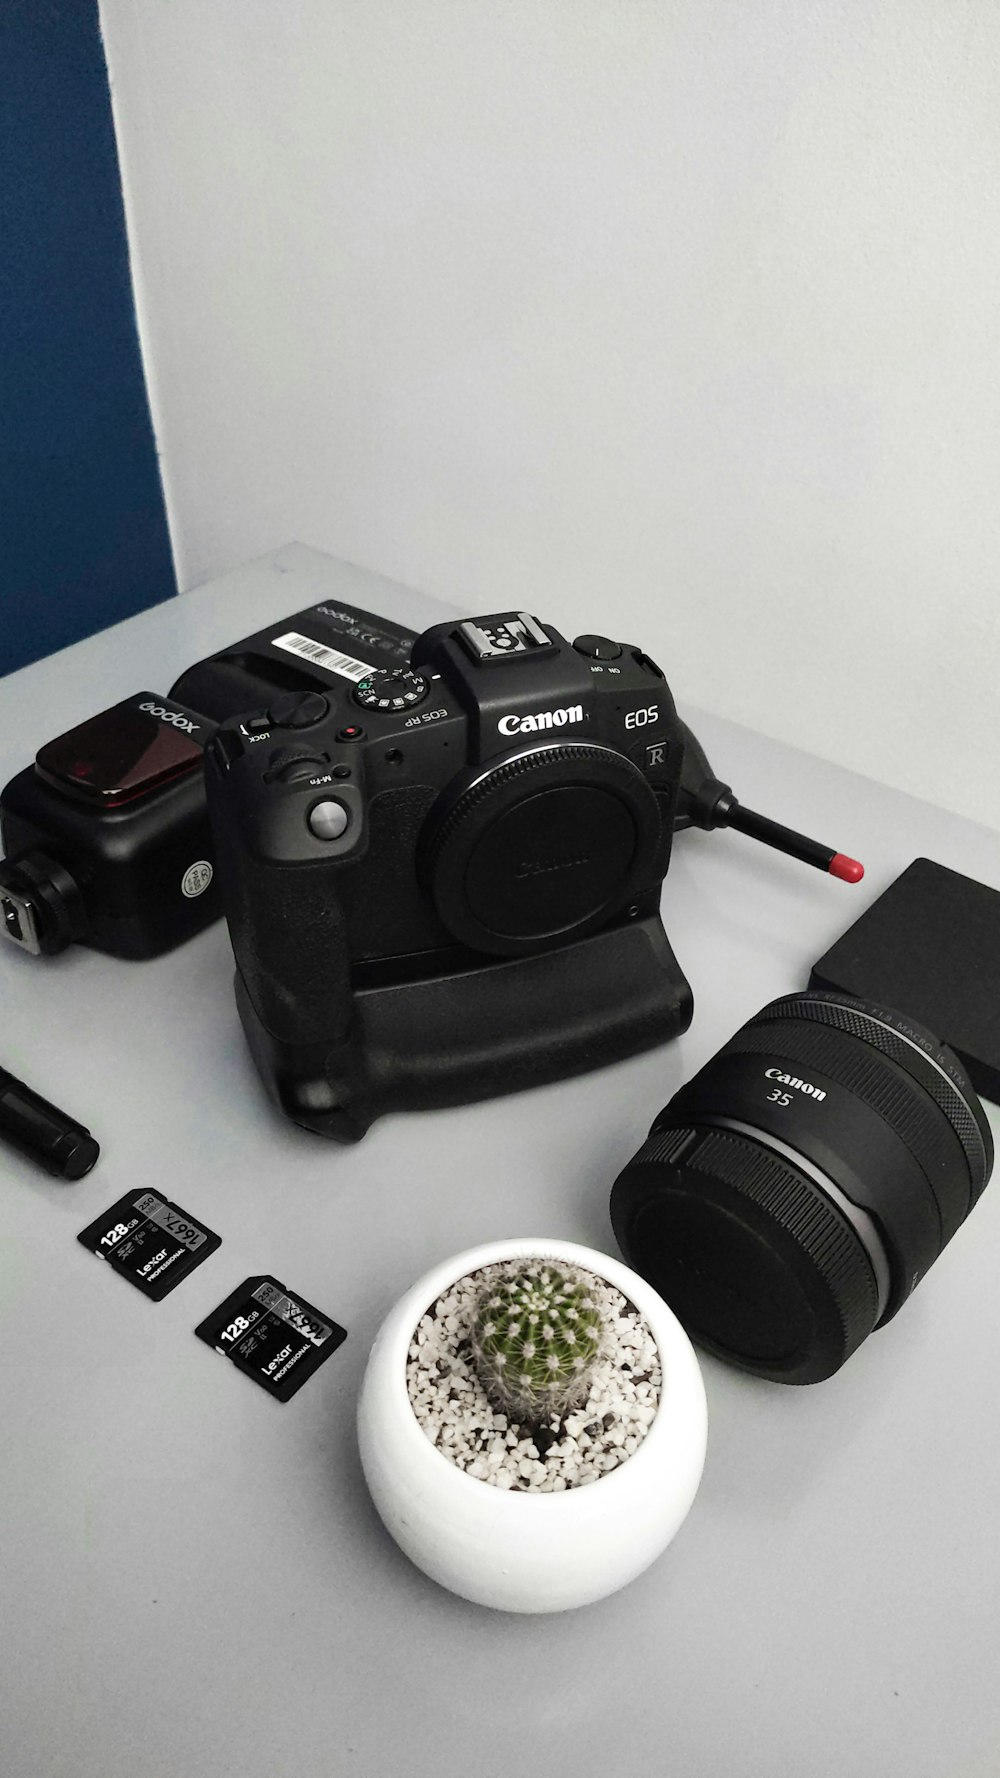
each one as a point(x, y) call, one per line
point(536, 1334)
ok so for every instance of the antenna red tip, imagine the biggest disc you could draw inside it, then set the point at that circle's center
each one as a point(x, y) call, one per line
point(847, 869)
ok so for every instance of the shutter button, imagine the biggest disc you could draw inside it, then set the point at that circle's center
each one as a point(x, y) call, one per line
point(328, 820)
point(298, 709)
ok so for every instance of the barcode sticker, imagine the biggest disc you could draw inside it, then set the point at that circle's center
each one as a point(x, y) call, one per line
point(321, 656)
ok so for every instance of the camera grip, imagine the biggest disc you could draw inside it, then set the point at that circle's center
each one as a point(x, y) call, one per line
point(290, 944)
point(287, 929)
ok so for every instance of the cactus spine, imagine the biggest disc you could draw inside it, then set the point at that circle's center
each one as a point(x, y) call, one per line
point(536, 1335)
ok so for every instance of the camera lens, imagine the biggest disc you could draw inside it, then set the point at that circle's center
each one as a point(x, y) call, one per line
point(795, 1191)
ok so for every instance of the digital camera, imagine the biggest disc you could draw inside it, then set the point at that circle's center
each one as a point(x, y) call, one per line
point(442, 878)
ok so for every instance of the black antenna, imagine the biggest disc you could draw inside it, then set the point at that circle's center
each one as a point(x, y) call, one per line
point(708, 803)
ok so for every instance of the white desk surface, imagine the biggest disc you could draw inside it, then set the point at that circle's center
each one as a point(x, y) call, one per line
point(194, 1582)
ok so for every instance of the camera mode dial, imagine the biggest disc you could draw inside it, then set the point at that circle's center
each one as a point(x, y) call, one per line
point(393, 689)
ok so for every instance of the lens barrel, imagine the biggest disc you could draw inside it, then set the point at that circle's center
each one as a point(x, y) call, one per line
point(794, 1192)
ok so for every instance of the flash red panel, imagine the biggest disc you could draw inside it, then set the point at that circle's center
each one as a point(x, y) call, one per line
point(124, 753)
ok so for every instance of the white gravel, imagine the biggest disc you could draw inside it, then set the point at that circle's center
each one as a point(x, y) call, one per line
point(452, 1407)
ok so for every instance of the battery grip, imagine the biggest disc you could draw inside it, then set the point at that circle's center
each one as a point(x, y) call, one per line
point(475, 1032)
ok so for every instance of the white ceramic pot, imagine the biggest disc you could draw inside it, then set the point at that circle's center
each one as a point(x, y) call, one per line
point(527, 1551)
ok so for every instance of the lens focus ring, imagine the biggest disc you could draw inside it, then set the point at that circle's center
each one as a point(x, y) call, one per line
point(936, 1070)
point(876, 1081)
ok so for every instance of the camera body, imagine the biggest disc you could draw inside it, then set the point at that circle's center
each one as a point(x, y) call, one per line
point(442, 879)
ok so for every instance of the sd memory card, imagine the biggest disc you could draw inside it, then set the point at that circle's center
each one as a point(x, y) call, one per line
point(150, 1241)
point(278, 1339)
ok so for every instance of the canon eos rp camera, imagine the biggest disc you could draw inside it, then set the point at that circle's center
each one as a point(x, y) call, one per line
point(442, 879)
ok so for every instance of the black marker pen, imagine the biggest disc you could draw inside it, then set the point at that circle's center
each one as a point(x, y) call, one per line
point(43, 1132)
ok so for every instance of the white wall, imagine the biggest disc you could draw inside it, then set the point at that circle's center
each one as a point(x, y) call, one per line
point(680, 319)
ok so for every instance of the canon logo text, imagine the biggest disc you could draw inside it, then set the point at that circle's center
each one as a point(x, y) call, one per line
point(792, 1080)
point(526, 725)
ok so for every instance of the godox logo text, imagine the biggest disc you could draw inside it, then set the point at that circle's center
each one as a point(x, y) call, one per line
point(174, 717)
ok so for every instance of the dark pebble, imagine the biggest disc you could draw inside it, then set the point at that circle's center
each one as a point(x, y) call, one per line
point(608, 1422)
point(543, 1439)
point(593, 1429)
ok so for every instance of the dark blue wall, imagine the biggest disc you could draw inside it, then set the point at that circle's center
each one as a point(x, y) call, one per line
point(83, 531)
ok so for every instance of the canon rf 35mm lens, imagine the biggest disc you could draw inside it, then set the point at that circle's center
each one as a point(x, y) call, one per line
point(795, 1191)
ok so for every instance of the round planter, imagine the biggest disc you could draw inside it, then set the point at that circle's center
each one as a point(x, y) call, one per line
point(530, 1551)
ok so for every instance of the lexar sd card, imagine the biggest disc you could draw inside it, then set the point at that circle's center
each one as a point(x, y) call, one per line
point(152, 1242)
point(278, 1339)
